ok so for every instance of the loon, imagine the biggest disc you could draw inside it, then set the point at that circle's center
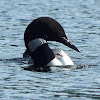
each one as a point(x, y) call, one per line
point(36, 35)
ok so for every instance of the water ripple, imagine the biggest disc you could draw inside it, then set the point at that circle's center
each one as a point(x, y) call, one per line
point(81, 22)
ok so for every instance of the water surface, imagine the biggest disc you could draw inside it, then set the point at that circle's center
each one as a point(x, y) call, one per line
point(81, 22)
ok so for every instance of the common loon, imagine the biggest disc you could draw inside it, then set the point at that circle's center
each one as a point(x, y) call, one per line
point(36, 35)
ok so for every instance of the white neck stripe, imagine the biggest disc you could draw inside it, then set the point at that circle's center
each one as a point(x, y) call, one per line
point(33, 44)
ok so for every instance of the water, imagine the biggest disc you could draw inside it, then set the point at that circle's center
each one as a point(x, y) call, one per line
point(81, 22)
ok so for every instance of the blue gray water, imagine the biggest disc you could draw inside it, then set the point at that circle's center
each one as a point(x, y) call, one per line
point(81, 22)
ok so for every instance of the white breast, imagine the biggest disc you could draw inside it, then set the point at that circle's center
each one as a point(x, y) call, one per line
point(61, 59)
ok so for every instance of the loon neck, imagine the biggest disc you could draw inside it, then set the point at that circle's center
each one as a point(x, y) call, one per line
point(61, 58)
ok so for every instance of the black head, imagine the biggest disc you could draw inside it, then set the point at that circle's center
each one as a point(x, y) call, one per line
point(47, 28)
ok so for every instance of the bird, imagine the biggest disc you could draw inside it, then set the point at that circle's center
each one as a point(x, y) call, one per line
point(36, 37)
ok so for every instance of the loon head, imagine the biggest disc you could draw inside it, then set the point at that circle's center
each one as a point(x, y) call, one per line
point(48, 29)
